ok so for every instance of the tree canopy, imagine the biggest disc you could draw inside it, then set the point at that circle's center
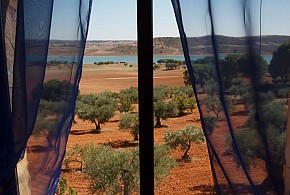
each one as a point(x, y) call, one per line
point(279, 65)
point(96, 108)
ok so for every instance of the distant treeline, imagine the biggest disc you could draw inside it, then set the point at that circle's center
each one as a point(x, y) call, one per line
point(171, 61)
point(56, 62)
point(105, 62)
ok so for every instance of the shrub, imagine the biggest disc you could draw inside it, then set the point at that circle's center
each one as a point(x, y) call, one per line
point(114, 172)
point(210, 122)
point(183, 139)
point(253, 150)
point(283, 93)
point(184, 103)
point(272, 114)
point(125, 104)
point(132, 93)
point(62, 188)
point(213, 105)
point(130, 122)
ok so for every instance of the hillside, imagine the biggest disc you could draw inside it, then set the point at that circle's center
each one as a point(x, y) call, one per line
point(172, 46)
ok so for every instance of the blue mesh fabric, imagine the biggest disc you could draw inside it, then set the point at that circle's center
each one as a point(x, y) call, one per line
point(241, 99)
point(38, 113)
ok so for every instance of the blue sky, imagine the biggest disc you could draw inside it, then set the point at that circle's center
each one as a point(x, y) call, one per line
point(116, 19)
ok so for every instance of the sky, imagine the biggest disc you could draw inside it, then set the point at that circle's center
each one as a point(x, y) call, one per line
point(116, 19)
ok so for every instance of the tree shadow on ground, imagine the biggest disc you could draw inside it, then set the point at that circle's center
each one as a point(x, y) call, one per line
point(84, 132)
point(203, 189)
point(122, 144)
point(240, 113)
point(225, 189)
point(38, 148)
point(160, 126)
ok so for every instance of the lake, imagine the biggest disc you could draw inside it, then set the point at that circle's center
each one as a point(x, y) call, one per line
point(132, 59)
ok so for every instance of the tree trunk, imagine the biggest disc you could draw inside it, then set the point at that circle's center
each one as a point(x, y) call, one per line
point(136, 138)
point(158, 122)
point(98, 127)
point(185, 155)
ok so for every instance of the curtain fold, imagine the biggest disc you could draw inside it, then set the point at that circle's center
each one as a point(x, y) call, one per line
point(42, 92)
point(241, 99)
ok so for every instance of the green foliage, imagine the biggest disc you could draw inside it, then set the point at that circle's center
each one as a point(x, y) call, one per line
point(249, 145)
point(104, 63)
point(186, 78)
point(187, 90)
point(253, 150)
point(163, 91)
point(73, 155)
point(163, 163)
point(238, 88)
point(279, 65)
point(156, 66)
point(273, 114)
point(205, 60)
point(162, 109)
point(125, 104)
point(56, 90)
point(171, 66)
point(117, 171)
point(247, 62)
point(283, 93)
point(184, 103)
point(96, 108)
point(230, 69)
point(210, 122)
point(130, 122)
point(202, 74)
point(211, 87)
point(183, 139)
point(56, 62)
point(132, 93)
point(170, 61)
point(109, 170)
point(213, 104)
point(62, 188)
point(48, 116)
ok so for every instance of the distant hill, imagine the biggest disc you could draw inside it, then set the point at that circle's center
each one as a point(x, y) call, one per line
point(203, 45)
point(172, 46)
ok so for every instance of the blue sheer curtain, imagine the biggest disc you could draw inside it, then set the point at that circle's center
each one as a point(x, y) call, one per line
point(38, 93)
point(240, 94)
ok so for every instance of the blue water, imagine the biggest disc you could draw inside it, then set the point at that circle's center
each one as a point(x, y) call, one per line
point(132, 59)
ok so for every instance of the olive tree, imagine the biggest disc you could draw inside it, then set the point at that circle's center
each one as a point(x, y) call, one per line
point(130, 122)
point(117, 171)
point(279, 66)
point(162, 109)
point(95, 108)
point(184, 138)
point(184, 103)
point(125, 104)
point(56, 90)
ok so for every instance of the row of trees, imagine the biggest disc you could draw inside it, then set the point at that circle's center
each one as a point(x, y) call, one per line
point(100, 108)
point(243, 65)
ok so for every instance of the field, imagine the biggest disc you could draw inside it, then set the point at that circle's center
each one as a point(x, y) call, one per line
point(186, 178)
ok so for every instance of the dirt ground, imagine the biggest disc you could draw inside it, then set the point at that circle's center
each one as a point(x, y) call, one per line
point(186, 178)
